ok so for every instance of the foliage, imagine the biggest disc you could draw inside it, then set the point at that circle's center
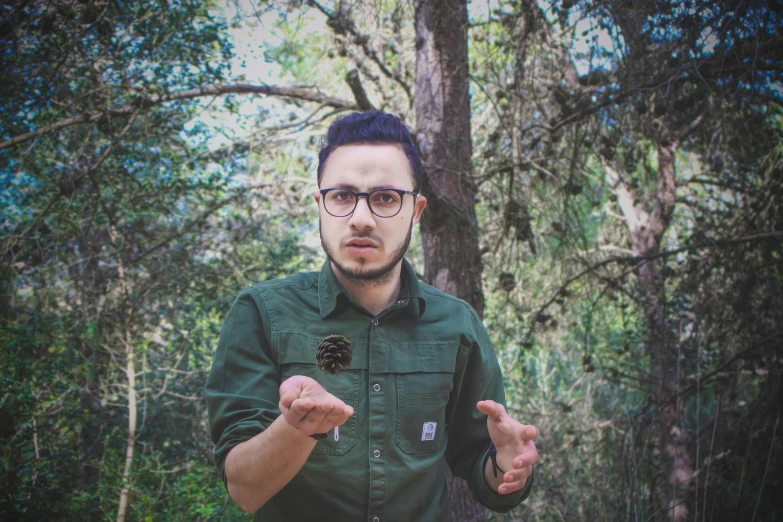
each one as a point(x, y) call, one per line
point(121, 241)
point(565, 302)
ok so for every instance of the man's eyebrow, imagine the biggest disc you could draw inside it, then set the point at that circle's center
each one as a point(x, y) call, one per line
point(356, 189)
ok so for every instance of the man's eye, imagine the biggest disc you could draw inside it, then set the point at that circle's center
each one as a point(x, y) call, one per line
point(386, 197)
point(342, 195)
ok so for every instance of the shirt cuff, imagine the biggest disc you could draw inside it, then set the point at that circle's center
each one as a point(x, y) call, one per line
point(490, 498)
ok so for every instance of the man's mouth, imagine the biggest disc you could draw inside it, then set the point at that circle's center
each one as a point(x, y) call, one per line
point(361, 247)
point(362, 243)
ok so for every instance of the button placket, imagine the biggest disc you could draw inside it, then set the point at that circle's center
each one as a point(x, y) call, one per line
point(377, 425)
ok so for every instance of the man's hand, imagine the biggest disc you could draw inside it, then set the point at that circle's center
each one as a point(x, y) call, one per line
point(258, 468)
point(309, 408)
point(516, 451)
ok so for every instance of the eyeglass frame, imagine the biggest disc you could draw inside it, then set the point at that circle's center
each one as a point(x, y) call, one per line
point(358, 195)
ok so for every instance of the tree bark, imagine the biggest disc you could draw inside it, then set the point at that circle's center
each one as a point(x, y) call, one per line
point(449, 227)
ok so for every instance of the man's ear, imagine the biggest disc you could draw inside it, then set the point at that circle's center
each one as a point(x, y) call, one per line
point(317, 197)
point(418, 208)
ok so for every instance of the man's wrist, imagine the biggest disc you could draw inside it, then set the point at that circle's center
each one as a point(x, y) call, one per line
point(504, 460)
point(493, 457)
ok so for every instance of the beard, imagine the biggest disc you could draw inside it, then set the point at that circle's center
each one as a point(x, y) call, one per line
point(377, 276)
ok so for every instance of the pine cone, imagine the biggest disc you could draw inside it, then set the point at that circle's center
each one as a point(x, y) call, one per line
point(334, 354)
point(507, 281)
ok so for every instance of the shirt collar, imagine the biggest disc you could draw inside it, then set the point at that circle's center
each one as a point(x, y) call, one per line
point(330, 290)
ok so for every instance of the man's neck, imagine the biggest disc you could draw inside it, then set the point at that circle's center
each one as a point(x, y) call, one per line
point(376, 296)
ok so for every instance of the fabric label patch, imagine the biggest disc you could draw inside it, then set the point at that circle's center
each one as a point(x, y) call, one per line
point(428, 431)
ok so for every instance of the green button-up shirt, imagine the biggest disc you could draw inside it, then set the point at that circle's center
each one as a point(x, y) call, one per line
point(418, 370)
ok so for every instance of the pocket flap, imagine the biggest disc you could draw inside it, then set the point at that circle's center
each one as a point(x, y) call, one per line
point(418, 358)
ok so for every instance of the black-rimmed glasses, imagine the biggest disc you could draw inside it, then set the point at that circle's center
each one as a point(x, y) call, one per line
point(384, 202)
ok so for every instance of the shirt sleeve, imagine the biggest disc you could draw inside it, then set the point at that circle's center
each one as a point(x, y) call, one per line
point(477, 378)
point(242, 390)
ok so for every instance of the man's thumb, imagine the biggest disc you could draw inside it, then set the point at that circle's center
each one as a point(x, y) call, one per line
point(491, 408)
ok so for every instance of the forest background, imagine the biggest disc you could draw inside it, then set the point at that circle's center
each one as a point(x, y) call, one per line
point(605, 187)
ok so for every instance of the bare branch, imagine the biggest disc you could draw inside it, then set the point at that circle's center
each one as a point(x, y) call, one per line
point(340, 21)
point(194, 222)
point(146, 102)
point(638, 260)
point(91, 117)
point(269, 90)
point(690, 128)
point(635, 216)
point(355, 82)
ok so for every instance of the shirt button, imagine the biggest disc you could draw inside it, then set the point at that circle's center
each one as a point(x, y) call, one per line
point(376, 519)
point(376, 387)
point(375, 322)
point(376, 453)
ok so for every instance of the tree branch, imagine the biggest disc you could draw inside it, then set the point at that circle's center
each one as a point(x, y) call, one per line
point(269, 90)
point(690, 128)
point(341, 23)
point(194, 222)
point(146, 102)
point(91, 117)
point(635, 260)
point(355, 83)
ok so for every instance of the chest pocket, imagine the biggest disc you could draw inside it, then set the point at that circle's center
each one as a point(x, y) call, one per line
point(424, 377)
point(296, 356)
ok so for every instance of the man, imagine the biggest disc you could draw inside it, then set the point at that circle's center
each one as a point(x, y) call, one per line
point(423, 390)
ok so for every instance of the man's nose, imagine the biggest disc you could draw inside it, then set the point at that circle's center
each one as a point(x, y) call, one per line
point(362, 216)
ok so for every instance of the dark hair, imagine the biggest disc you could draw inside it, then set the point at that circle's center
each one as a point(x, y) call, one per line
point(370, 128)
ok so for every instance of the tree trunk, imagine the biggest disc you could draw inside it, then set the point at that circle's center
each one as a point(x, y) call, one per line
point(647, 230)
point(130, 374)
point(449, 227)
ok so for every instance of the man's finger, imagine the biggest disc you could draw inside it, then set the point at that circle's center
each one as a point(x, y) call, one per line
point(287, 398)
point(517, 475)
point(299, 408)
point(312, 418)
point(491, 408)
point(326, 408)
point(336, 418)
point(528, 457)
point(528, 432)
point(515, 485)
point(292, 387)
point(525, 460)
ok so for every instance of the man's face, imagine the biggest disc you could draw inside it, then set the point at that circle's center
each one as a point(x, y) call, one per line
point(363, 246)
